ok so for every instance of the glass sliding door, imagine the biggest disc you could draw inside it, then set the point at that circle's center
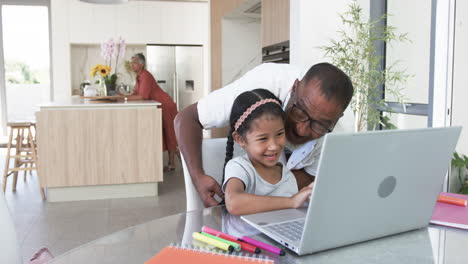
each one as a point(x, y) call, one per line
point(415, 58)
point(25, 77)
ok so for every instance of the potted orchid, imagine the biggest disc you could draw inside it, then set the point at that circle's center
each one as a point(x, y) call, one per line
point(109, 51)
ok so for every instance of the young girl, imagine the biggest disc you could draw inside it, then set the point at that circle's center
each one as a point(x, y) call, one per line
point(257, 182)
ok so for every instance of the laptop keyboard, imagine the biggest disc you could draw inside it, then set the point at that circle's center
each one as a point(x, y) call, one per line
point(292, 230)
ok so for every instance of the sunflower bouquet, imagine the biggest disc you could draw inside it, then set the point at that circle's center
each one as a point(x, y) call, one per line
point(103, 72)
point(109, 50)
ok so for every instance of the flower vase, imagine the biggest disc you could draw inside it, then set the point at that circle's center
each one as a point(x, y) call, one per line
point(111, 88)
point(102, 88)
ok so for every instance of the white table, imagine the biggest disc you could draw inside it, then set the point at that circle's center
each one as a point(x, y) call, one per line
point(137, 244)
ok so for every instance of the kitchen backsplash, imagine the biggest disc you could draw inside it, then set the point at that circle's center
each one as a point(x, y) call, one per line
point(85, 56)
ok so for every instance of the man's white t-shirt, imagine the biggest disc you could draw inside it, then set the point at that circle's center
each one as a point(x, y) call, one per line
point(215, 108)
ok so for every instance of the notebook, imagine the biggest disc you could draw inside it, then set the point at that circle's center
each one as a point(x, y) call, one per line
point(451, 215)
point(176, 254)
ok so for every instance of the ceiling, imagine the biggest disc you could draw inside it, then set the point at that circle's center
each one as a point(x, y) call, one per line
point(174, 0)
point(123, 1)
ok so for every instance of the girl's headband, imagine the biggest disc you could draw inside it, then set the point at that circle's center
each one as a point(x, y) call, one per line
point(251, 109)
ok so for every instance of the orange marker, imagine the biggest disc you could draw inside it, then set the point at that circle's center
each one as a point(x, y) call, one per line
point(452, 200)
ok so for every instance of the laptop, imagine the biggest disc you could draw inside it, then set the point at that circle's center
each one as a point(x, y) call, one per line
point(368, 185)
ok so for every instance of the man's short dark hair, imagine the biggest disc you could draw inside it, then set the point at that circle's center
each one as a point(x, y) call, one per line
point(334, 83)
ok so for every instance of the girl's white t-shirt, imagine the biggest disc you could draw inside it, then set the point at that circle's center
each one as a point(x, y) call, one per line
point(242, 169)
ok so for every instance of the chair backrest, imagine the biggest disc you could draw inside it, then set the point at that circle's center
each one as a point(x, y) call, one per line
point(9, 247)
point(213, 156)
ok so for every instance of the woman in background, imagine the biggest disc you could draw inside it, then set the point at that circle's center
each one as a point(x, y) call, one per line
point(146, 88)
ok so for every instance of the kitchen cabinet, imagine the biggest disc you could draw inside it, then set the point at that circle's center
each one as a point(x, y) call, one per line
point(275, 22)
point(128, 21)
point(137, 22)
point(80, 20)
point(150, 21)
point(91, 23)
point(183, 23)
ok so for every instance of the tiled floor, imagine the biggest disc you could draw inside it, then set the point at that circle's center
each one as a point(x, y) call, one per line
point(66, 225)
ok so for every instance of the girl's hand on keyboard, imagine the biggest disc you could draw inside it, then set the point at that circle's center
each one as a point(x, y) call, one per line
point(303, 195)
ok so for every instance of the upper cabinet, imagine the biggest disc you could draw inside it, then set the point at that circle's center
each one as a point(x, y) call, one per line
point(156, 22)
point(275, 21)
point(129, 22)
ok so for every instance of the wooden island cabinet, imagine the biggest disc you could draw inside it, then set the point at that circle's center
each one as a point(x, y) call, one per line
point(97, 150)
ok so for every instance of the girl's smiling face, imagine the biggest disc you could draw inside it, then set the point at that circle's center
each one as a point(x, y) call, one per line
point(264, 141)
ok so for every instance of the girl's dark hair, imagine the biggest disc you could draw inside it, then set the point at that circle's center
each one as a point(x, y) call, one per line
point(240, 105)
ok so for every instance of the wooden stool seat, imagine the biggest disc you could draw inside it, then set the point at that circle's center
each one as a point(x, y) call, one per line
point(25, 157)
point(20, 124)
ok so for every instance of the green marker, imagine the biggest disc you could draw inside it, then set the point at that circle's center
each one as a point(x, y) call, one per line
point(211, 241)
point(236, 246)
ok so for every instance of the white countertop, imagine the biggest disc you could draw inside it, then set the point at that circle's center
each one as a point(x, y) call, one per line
point(77, 102)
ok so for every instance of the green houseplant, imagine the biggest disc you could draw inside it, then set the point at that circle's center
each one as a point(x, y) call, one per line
point(459, 166)
point(354, 52)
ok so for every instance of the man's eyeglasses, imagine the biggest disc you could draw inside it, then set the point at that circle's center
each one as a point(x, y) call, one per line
point(300, 115)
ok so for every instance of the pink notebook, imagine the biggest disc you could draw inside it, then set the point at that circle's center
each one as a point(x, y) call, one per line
point(451, 215)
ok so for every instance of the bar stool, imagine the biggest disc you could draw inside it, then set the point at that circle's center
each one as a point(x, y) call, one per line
point(25, 158)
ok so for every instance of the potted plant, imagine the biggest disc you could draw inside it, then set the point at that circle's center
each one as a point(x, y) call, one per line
point(459, 168)
point(109, 51)
point(354, 52)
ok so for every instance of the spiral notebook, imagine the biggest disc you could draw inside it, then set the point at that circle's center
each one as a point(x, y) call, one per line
point(176, 254)
point(451, 215)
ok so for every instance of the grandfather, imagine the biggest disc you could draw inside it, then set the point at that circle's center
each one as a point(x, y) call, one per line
point(313, 105)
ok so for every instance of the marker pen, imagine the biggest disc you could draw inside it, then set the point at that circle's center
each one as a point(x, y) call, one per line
point(208, 240)
point(245, 246)
point(451, 200)
point(264, 246)
point(235, 245)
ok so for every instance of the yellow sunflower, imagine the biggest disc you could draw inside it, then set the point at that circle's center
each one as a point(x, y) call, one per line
point(94, 70)
point(104, 70)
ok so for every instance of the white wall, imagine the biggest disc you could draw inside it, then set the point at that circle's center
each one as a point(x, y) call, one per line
point(241, 47)
point(138, 22)
point(312, 25)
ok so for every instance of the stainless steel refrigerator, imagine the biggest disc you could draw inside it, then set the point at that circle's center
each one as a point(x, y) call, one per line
point(178, 71)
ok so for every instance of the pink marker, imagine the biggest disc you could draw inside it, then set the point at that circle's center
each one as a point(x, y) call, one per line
point(215, 232)
point(245, 246)
point(272, 249)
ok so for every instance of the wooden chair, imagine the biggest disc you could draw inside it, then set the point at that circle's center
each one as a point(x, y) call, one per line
point(25, 157)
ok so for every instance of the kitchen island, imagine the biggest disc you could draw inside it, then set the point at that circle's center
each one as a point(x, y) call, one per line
point(99, 149)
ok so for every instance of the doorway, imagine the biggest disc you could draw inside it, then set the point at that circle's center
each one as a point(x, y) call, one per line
point(25, 79)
